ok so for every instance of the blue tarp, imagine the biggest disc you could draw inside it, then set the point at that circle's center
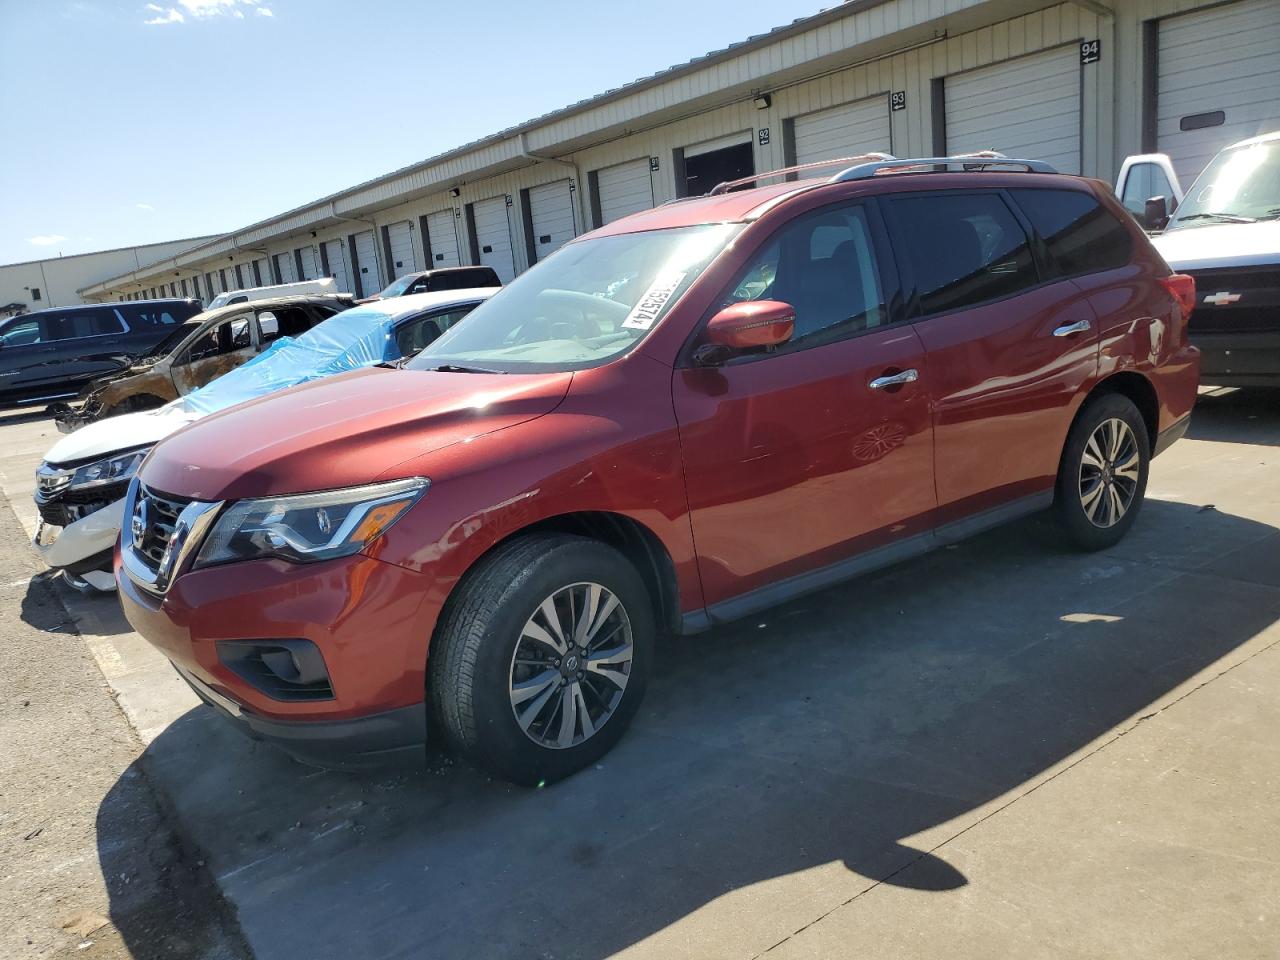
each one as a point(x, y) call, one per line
point(355, 338)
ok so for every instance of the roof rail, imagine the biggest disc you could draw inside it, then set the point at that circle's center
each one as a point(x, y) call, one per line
point(728, 185)
point(980, 160)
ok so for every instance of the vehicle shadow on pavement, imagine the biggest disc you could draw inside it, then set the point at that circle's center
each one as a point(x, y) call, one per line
point(837, 742)
point(1245, 415)
point(43, 607)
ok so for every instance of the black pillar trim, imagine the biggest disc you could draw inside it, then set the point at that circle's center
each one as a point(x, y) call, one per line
point(938, 102)
point(472, 241)
point(1150, 84)
point(424, 231)
point(678, 171)
point(789, 145)
point(385, 231)
point(526, 218)
point(355, 266)
point(593, 196)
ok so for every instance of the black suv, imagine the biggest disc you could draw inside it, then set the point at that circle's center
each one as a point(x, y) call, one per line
point(441, 278)
point(49, 354)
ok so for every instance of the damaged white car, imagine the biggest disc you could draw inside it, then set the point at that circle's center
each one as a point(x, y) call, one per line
point(81, 484)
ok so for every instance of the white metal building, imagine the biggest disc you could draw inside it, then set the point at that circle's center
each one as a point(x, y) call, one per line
point(55, 281)
point(1081, 84)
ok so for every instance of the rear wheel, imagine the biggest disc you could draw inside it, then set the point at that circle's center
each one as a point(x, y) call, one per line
point(542, 658)
point(1103, 475)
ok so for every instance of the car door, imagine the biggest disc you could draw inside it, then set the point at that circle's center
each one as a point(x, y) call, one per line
point(1009, 346)
point(23, 354)
point(101, 343)
point(800, 459)
point(221, 348)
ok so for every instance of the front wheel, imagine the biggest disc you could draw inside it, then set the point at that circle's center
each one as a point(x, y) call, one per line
point(542, 658)
point(1103, 475)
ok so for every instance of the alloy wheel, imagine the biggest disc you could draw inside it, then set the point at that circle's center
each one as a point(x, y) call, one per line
point(1110, 468)
point(571, 665)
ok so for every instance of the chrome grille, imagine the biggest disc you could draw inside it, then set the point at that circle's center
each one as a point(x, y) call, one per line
point(161, 534)
point(151, 526)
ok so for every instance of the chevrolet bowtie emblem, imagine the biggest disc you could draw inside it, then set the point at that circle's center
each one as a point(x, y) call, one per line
point(1221, 298)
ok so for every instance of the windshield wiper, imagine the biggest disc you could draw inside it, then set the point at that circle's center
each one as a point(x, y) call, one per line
point(455, 368)
point(1229, 217)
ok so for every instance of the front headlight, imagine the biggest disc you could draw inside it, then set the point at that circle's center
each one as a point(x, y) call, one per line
point(115, 469)
point(309, 526)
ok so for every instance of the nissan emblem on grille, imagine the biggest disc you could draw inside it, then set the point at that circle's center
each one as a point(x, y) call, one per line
point(138, 525)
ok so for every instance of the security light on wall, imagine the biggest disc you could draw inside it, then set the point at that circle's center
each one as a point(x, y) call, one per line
point(455, 192)
point(763, 102)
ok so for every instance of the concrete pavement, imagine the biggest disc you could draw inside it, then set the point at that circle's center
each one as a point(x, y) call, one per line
point(1000, 749)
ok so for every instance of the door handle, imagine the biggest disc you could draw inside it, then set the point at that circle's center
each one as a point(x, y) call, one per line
point(1071, 329)
point(894, 380)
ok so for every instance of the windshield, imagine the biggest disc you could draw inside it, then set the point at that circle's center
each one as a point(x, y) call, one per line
point(1240, 184)
point(399, 287)
point(590, 302)
point(170, 343)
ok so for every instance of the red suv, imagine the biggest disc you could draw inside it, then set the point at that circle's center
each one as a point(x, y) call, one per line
point(677, 420)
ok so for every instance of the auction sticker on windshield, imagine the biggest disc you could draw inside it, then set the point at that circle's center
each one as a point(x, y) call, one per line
point(653, 300)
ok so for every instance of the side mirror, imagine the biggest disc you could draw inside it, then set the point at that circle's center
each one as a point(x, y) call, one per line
point(744, 326)
point(1155, 214)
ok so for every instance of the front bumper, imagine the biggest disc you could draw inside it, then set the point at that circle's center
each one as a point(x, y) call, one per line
point(381, 739)
point(83, 545)
point(1239, 359)
point(368, 619)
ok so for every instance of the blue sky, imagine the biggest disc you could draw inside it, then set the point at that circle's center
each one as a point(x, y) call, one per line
point(132, 122)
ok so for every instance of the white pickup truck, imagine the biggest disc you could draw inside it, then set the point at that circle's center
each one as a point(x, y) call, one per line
point(1225, 232)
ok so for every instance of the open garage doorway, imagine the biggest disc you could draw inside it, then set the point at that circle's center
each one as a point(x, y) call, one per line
point(700, 167)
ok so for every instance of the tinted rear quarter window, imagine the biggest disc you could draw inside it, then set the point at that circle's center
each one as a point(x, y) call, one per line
point(963, 249)
point(1082, 235)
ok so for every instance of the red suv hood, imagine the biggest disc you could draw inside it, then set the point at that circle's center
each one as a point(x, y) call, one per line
point(342, 431)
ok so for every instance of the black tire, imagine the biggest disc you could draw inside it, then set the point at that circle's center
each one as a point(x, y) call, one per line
point(471, 660)
point(1075, 476)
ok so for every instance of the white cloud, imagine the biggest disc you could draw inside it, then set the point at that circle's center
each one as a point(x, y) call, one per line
point(205, 10)
point(165, 16)
point(46, 239)
point(145, 206)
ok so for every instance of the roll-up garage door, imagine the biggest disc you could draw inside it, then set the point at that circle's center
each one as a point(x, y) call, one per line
point(1027, 108)
point(843, 131)
point(400, 237)
point(624, 189)
point(367, 264)
point(442, 238)
point(335, 252)
point(551, 216)
point(1218, 81)
point(493, 236)
point(310, 269)
point(284, 268)
point(263, 277)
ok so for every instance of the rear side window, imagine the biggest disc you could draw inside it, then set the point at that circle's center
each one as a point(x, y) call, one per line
point(150, 316)
point(81, 323)
point(1082, 235)
point(964, 249)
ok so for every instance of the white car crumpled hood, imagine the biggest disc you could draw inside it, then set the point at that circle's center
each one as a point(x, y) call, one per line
point(1221, 245)
point(125, 432)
